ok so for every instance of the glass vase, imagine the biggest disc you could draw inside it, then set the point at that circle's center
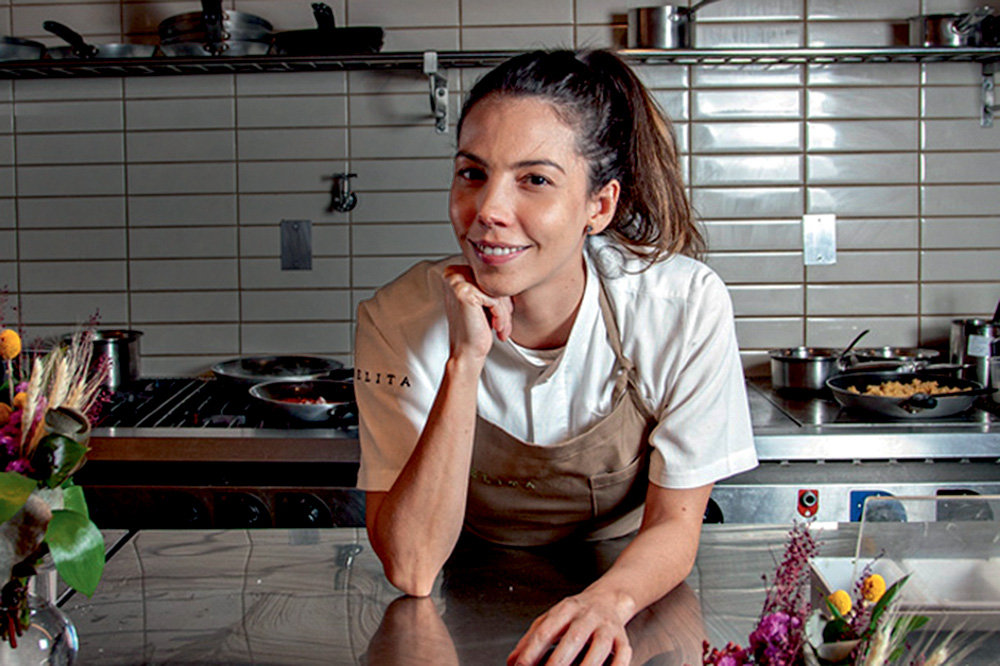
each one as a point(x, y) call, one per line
point(50, 639)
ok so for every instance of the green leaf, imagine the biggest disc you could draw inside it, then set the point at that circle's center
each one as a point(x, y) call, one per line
point(77, 549)
point(73, 499)
point(14, 492)
point(56, 458)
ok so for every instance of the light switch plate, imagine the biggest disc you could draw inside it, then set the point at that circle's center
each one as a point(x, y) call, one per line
point(819, 239)
point(296, 245)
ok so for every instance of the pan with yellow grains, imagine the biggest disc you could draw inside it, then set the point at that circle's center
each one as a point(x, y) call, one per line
point(905, 395)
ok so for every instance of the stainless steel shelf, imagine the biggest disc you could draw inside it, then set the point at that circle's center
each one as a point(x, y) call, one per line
point(163, 66)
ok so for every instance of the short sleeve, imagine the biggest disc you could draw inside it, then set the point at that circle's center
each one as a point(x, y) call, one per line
point(704, 432)
point(399, 357)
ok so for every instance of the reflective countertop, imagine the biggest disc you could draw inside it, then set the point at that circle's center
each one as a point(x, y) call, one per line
point(284, 597)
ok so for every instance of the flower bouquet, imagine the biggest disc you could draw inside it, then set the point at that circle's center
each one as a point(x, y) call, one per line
point(861, 628)
point(44, 431)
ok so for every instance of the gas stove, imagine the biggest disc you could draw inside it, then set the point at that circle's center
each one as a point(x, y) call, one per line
point(196, 403)
point(195, 452)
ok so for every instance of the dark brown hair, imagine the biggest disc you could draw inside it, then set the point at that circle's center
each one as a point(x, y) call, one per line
point(621, 132)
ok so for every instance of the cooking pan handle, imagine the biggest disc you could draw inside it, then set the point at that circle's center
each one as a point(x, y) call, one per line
point(324, 16)
point(80, 48)
point(213, 16)
point(918, 402)
point(971, 20)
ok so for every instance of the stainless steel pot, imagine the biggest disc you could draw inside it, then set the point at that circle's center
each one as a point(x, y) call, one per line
point(949, 30)
point(214, 32)
point(808, 368)
point(313, 401)
point(663, 26)
point(972, 342)
point(119, 349)
point(79, 48)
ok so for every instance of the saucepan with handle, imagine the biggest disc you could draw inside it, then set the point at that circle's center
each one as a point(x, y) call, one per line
point(663, 26)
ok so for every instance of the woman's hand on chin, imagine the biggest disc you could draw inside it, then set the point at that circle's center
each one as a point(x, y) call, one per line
point(584, 629)
point(472, 314)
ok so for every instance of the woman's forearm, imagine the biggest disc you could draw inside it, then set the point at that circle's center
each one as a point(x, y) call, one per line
point(661, 555)
point(415, 525)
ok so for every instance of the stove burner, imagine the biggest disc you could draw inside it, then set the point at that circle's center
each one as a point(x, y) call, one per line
point(194, 403)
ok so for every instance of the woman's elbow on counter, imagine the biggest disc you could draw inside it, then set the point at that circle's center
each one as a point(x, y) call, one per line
point(410, 580)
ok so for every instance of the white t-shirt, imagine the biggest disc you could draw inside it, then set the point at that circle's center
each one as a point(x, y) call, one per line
point(676, 324)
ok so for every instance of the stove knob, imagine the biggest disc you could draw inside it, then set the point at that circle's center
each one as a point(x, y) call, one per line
point(301, 510)
point(241, 510)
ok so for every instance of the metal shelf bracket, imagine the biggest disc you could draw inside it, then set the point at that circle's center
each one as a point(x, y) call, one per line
point(439, 92)
point(989, 95)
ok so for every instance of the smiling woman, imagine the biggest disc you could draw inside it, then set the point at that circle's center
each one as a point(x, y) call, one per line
point(574, 372)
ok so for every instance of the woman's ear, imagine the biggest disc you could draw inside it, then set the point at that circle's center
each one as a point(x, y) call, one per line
point(603, 205)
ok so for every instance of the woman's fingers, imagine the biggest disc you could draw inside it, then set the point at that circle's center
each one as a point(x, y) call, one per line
point(573, 630)
point(474, 308)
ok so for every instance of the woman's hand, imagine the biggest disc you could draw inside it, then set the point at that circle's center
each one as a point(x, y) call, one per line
point(472, 315)
point(587, 627)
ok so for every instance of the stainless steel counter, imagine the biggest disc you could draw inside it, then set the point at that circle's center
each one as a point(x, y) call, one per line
point(283, 597)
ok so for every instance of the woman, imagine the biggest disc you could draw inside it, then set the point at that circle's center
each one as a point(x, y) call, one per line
point(574, 373)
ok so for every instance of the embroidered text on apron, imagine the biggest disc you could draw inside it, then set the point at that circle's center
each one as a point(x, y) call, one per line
point(591, 486)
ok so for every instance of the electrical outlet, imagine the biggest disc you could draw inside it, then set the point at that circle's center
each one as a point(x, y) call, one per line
point(296, 245)
point(819, 240)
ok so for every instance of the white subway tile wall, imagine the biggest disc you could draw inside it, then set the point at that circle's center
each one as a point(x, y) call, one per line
point(155, 202)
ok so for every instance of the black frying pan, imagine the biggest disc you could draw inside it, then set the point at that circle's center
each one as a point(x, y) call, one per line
point(918, 406)
point(326, 38)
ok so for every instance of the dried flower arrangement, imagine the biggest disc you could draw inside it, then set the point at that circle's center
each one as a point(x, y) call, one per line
point(866, 629)
point(44, 430)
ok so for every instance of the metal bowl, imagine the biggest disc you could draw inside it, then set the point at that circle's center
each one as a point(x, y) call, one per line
point(314, 401)
point(250, 370)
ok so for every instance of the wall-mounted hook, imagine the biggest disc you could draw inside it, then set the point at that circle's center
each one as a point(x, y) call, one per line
point(988, 95)
point(439, 92)
point(342, 199)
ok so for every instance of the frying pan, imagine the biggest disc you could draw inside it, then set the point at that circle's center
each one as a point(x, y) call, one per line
point(250, 370)
point(13, 48)
point(920, 406)
point(214, 32)
point(327, 38)
point(314, 401)
point(78, 48)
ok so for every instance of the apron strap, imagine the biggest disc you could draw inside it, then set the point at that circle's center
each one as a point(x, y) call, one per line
point(628, 377)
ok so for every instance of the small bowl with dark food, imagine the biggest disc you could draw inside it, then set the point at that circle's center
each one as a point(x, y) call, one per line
point(905, 395)
point(317, 401)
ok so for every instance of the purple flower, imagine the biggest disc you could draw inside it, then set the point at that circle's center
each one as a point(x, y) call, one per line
point(20, 466)
point(775, 641)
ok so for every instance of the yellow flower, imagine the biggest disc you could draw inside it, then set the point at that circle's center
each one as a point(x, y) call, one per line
point(841, 601)
point(873, 587)
point(20, 399)
point(10, 344)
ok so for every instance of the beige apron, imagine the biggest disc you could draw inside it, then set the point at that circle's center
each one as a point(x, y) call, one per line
point(591, 486)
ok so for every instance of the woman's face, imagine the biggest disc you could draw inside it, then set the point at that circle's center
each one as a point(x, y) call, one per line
point(520, 204)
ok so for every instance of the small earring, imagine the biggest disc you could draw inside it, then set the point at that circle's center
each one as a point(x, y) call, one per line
point(590, 230)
